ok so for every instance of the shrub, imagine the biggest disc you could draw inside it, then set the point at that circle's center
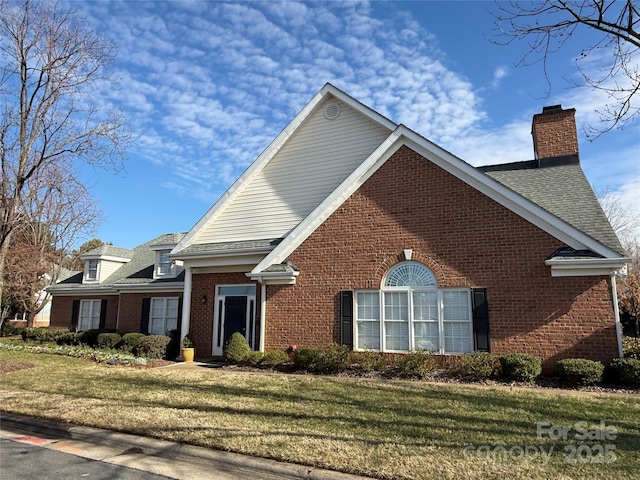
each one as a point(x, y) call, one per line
point(254, 358)
point(417, 364)
point(173, 349)
point(153, 346)
point(626, 371)
point(369, 361)
point(520, 367)
point(108, 341)
point(477, 366)
point(130, 342)
point(90, 337)
point(9, 330)
point(67, 338)
point(237, 350)
point(631, 347)
point(580, 371)
point(274, 358)
point(39, 335)
point(324, 360)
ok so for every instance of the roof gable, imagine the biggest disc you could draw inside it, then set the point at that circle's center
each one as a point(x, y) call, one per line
point(300, 168)
point(403, 136)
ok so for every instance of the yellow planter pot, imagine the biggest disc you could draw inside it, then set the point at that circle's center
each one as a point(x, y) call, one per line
point(187, 354)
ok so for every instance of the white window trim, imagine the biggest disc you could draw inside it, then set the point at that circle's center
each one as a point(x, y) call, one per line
point(441, 322)
point(92, 314)
point(219, 313)
point(86, 278)
point(164, 312)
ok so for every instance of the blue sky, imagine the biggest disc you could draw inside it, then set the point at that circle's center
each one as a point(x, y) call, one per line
point(207, 85)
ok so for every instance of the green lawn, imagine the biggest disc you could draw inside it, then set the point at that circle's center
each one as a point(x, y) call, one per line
point(386, 429)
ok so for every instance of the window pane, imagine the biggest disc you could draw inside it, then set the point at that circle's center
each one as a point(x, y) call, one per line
point(397, 336)
point(156, 326)
point(237, 290)
point(425, 305)
point(410, 274)
point(456, 305)
point(457, 337)
point(164, 262)
point(89, 315)
point(157, 307)
point(427, 336)
point(368, 335)
point(368, 306)
point(396, 306)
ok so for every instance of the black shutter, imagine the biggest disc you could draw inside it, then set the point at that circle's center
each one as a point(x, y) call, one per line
point(481, 319)
point(346, 318)
point(180, 317)
point(75, 311)
point(144, 319)
point(103, 314)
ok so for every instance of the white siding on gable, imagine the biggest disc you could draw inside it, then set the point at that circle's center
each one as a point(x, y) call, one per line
point(107, 268)
point(308, 167)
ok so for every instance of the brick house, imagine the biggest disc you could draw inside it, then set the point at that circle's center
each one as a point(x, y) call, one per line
point(350, 228)
point(129, 290)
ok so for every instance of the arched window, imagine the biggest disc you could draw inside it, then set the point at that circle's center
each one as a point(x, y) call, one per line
point(410, 313)
point(410, 274)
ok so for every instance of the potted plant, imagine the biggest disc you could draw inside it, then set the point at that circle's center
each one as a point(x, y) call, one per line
point(188, 348)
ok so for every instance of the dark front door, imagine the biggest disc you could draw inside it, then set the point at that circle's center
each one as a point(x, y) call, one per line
point(235, 317)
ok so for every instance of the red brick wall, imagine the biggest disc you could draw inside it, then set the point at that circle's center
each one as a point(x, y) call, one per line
point(62, 307)
point(467, 239)
point(131, 309)
point(201, 324)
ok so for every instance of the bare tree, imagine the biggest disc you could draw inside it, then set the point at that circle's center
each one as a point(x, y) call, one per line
point(56, 213)
point(624, 220)
point(50, 70)
point(550, 25)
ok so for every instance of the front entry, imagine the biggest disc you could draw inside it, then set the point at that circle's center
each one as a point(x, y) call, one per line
point(235, 317)
point(234, 312)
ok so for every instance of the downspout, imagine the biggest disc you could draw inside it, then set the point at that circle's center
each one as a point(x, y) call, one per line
point(616, 313)
point(186, 304)
point(263, 314)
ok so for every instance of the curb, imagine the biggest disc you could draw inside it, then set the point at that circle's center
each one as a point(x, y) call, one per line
point(196, 457)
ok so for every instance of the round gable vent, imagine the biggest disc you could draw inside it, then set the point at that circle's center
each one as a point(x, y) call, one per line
point(331, 111)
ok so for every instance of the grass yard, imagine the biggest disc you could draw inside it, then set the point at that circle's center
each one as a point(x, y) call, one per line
point(385, 429)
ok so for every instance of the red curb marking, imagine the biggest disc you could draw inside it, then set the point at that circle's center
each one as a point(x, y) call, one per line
point(28, 439)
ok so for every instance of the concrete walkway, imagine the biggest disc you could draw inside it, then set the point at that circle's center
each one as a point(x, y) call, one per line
point(173, 460)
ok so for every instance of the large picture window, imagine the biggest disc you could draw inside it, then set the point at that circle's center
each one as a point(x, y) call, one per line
point(410, 313)
point(163, 317)
point(89, 315)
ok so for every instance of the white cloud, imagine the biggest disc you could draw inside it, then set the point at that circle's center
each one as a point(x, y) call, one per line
point(498, 74)
point(208, 85)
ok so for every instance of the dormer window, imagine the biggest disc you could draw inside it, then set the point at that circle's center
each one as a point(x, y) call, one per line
point(164, 263)
point(91, 273)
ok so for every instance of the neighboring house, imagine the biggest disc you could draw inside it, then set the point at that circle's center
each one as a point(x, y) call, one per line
point(349, 228)
point(138, 290)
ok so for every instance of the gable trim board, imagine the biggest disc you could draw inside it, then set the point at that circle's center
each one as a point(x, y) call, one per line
point(403, 136)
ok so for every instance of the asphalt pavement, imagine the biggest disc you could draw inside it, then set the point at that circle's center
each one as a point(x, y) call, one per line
point(83, 452)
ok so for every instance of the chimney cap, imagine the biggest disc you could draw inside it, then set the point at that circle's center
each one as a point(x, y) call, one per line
point(552, 108)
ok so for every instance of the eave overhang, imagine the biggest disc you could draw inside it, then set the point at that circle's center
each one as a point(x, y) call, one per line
point(80, 292)
point(586, 267)
point(274, 278)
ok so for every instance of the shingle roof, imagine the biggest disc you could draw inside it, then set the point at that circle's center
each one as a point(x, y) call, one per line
point(139, 270)
point(111, 251)
point(268, 243)
point(562, 190)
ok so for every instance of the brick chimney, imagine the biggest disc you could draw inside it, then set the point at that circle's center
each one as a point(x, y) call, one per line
point(555, 138)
